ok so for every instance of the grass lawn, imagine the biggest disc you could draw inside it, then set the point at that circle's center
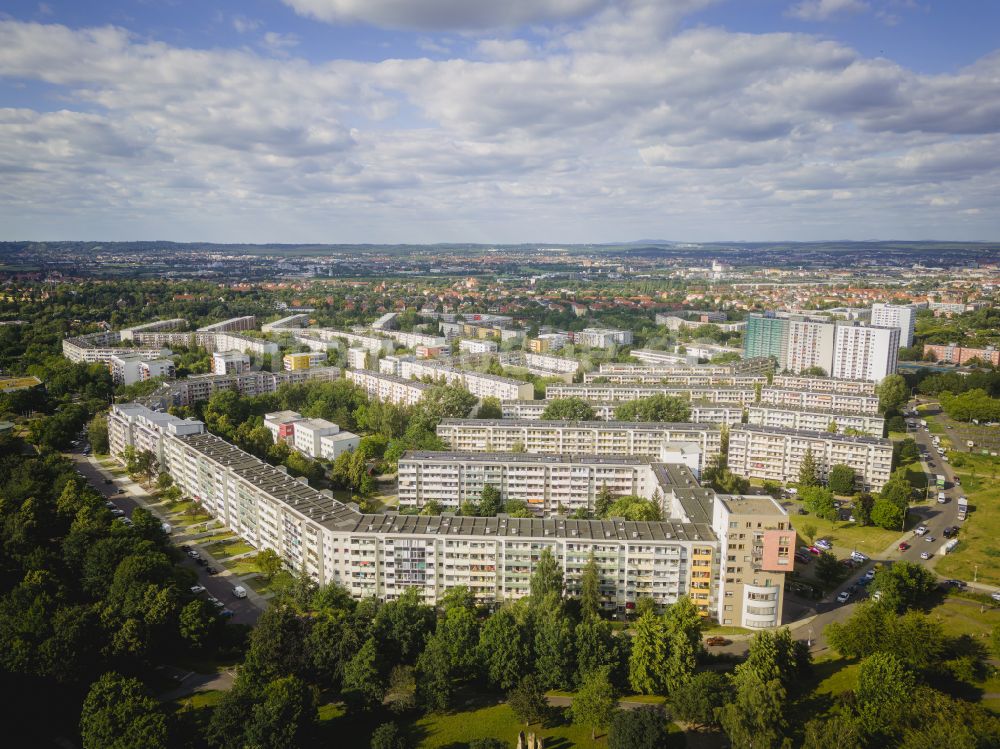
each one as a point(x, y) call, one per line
point(230, 548)
point(259, 584)
point(870, 540)
point(979, 538)
point(456, 730)
point(243, 566)
point(966, 618)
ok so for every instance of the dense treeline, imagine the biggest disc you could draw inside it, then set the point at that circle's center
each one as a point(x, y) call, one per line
point(86, 600)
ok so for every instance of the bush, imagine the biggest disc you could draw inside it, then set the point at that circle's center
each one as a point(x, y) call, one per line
point(841, 479)
point(644, 728)
point(388, 736)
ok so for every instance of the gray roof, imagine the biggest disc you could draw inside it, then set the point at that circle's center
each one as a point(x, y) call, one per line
point(649, 426)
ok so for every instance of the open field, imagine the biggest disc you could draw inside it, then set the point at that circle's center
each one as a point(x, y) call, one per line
point(870, 540)
point(978, 553)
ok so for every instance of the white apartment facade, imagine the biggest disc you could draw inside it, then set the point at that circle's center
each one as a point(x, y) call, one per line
point(901, 316)
point(776, 454)
point(600, 392)
point(477, 346)
point(865, 353)
point(230, 362)
point(232, 325)
point(810, 344)
point(815, 420)
point(386, 387)
point(810, 400)
point(701, 412)
point(688, 379)
point(308, 434)
point(196, 388)
point(823, 384)
point(386, 555)
point(604, 438)
point(549, 484)
point(480, 384)
point(357, 357)
point(602, 337)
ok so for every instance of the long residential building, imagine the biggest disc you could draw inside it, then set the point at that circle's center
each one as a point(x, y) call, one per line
point(702, 412)
point(177, 323)
point(691, 553)
point(813, 400)
point(602, 337)
point(412, 340)
point(599, 392)
point(196, 388)
point(232, 325)
point(480, 384)
point(100, 348)
point(298, 320)
point(583, 437)
point(386, 387)
point(815, 420)
point(209, 340)
point(687, 379)
point(775, 453)
point(824, 384)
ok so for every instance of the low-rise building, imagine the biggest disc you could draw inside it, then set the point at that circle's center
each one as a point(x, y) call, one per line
point(952, 353)
point(332, 445)
point(303, 360)
point(602, 337)
point(776, 454)
point(281, 425)
point(128, 369)
point(307, 435)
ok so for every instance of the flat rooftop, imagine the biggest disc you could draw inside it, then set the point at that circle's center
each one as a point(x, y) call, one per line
point(743, 504)
point(811, 434)
point(536, 424)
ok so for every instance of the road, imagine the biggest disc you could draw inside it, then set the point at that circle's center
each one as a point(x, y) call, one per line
point(128, 495)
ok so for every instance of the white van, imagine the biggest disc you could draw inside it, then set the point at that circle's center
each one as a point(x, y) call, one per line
point(239, 591)
point(942, 498)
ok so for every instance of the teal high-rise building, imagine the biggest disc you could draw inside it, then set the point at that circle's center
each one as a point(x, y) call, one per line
point(766, 336)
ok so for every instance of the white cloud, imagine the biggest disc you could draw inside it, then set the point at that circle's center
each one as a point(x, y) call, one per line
point(446, 14)
point(704, 134)
point(821, 10)
point(245, 25)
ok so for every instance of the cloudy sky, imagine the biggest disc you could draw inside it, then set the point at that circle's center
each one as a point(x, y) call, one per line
point(499, 121)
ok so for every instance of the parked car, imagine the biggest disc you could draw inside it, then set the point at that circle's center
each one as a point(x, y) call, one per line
point(921, 530)
point(226, 613)
point(193, 553)
point(869, 575)
point(824, 544)
point(995, 595)
point(196, 589)
point(903, 546)
point(717, 641)
point(925, 555)
point(815, 550)
point(930, 539)
point(211, 570)
point(118, 513)
point(844, 596)
point(857, 556)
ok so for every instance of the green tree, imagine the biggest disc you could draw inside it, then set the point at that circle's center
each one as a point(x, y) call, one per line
point(197, 623)
point(594, 702)
point(644, 728)
point(97, 433)
point(819, 501)
point(840, 730)
point(700, 700)
point(596, 647)
point(547, 577)
point(490, 501)
point(268, 563)
point(828, 570)
point(808, 470)
point(888, 515)
point(504, 649)
point(118, 714)
point(555, 664)
point(660, 407)
point(590, 588)
point(683, 627)
point(903, 585)
point(885, 689)
point(364, 684)
point(647, 665)
point(892, 393)
point(284, 716)
point(490, 408)
point(388, 736)
point(632, 507)
point(841, 479)
point(808, 531)
point(571, 409)
point(527, 701)
point(603, 501)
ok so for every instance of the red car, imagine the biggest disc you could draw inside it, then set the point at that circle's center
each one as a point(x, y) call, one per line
point(814, 550)
point(903, 546)
point(717, 641)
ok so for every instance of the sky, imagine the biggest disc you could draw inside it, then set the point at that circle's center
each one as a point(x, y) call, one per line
point(575, 121)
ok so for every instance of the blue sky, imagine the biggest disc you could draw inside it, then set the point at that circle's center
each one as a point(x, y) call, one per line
point(472, 120)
